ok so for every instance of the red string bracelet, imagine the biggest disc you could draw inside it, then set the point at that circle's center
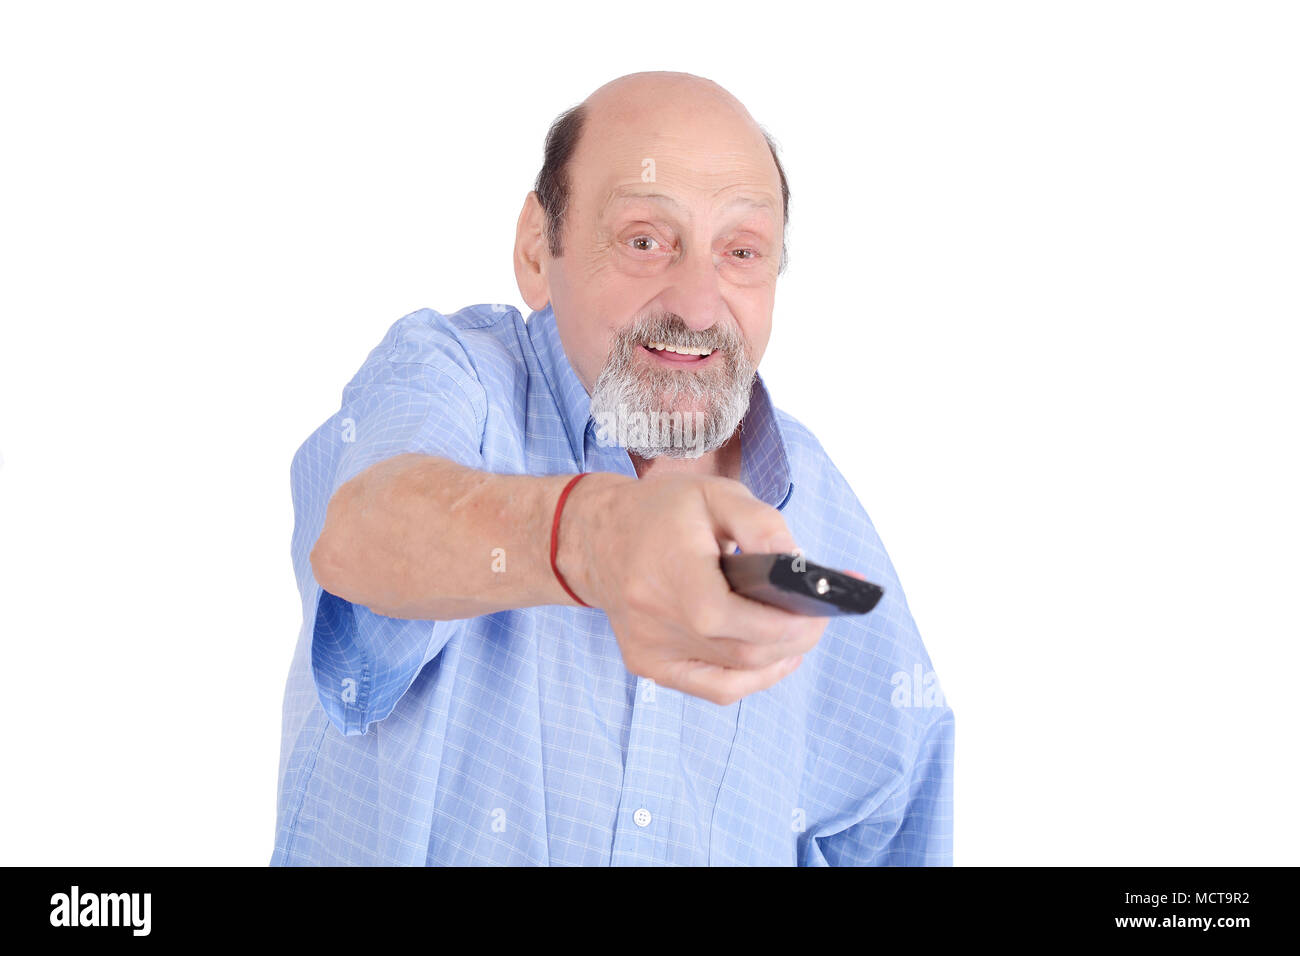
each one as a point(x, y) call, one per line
point(555, 537)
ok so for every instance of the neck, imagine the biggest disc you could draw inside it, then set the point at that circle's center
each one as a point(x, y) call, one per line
point(724, 463)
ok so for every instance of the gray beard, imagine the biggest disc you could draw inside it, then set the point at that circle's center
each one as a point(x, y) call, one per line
point(696, 412)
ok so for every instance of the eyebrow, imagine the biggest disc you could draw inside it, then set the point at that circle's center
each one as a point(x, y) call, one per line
point(631, 192)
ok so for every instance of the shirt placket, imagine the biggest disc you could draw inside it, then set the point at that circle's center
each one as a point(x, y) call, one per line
point(649, 810)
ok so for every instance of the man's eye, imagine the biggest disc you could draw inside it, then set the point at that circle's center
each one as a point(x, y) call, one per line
point(753, 253)
point(643, 239)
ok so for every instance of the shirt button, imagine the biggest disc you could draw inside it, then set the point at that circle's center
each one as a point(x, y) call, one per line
point(642, 817)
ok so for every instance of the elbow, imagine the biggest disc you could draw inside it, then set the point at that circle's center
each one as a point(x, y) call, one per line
point(325, 565)
point(341, 561)
point(359, 555)
point(328, 555)
point(337, 575)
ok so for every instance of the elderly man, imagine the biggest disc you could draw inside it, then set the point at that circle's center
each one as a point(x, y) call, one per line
point(501, 664)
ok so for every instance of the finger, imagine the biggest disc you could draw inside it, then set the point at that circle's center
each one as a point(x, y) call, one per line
point(747, 655)
point(754, 525)
point(728, 614)
point(723, 685)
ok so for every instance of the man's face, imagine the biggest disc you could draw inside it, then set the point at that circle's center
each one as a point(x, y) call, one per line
point(672, 240)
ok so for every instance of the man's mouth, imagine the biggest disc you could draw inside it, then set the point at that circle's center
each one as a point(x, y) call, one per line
point(677, 356)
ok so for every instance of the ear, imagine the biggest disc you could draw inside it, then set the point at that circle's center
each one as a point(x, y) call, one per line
point(531, 254)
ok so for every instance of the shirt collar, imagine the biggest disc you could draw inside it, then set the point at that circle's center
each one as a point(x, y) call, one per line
point(765, 460)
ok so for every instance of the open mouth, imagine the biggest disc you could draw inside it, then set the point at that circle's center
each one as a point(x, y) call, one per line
point(678, 356)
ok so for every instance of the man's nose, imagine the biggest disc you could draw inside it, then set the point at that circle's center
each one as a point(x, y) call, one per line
point(694, 292)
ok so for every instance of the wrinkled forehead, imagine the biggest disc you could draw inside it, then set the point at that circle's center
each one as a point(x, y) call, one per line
point(683, 169)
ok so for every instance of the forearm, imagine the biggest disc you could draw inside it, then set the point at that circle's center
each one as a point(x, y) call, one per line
point(417, 536)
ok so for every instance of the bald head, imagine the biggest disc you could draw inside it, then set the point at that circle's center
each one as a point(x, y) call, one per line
point(642, 97)
point(690, 109)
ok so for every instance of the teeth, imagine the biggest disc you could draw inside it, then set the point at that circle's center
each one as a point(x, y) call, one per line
point(678, 349)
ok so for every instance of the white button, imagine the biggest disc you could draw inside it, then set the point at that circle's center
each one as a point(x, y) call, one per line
point(642, 817)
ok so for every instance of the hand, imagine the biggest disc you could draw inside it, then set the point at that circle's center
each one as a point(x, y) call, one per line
point(646, 551)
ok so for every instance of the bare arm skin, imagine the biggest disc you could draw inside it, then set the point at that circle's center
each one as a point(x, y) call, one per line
point(414, 537)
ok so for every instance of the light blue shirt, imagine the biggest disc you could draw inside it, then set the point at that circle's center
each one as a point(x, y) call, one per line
point(519, 737)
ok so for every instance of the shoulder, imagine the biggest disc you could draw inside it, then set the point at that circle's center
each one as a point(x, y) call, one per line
point(828, 508)
point(474, 334)
point(464, 351)
point(816, 476)
point(799, 438)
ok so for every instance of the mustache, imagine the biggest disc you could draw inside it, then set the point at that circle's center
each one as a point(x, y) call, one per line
point(671, 329)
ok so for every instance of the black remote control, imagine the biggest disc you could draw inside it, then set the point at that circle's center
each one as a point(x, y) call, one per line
point(792, 582)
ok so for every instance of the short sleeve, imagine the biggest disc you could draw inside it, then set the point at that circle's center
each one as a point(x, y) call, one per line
point(417, 393)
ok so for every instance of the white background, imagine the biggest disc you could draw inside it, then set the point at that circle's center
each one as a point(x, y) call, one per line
point(1041, 310)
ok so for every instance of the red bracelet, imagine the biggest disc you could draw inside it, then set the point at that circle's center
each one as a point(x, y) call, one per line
point(555, 537)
